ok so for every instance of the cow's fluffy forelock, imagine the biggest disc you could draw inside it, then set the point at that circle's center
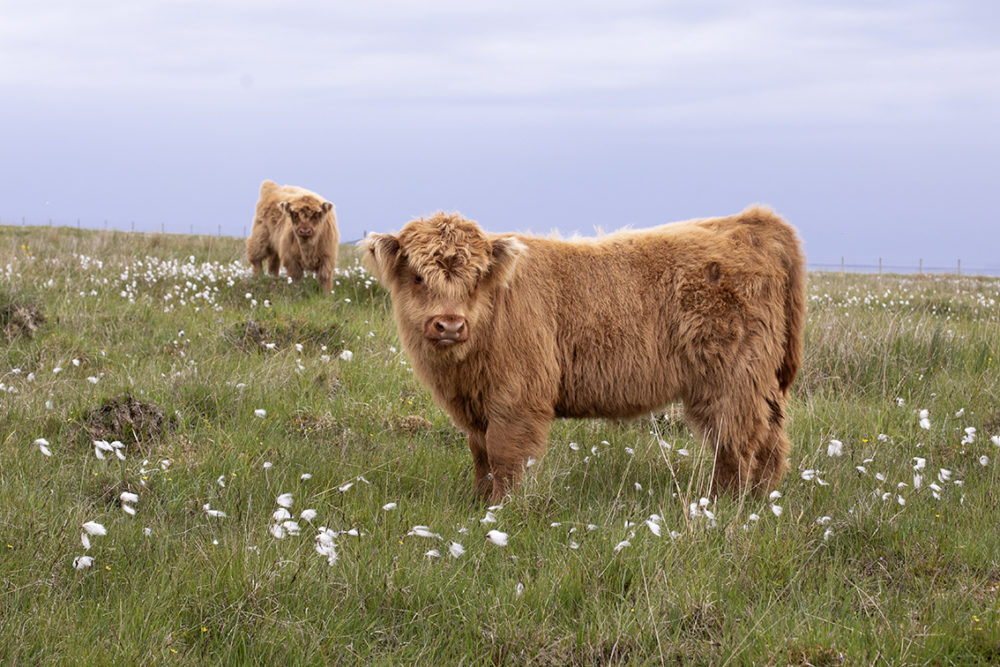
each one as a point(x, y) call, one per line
point(446, 251)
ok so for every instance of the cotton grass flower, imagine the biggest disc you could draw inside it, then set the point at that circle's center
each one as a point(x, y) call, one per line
point(346, 355)
point(219, 514)
point(489, 518)
point(777, 510)
point(984, 460)
point(653, 527)
point(455, 549)
point(621, 545)
point(497, 537)
point(925, 421)
point(260, 412)
point(388, 507)
point(285, 500)
point(423, 531)
point(101, 446)
point(308, 515)
point(83, 562)
point(94, 528)
point(433, 553)
point(43, 446)
point(91, 528)
point(126, 498)
point(325, 545)
point(835, 448)
point(995, 439)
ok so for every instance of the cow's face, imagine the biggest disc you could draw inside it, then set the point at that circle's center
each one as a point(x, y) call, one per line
point(305, 214)
point(443, 273)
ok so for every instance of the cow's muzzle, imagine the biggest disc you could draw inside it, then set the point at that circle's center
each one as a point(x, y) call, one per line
point(304, 233)
point(446, 330)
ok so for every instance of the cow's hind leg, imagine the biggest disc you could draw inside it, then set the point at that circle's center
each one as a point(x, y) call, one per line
point(735, 426)
point(509, 445)
point(773, 449)
point(257, 248)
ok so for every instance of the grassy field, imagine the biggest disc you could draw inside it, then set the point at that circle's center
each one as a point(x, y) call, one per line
point(224, 392)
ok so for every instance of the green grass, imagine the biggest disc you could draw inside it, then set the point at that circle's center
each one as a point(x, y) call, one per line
point(864, 568)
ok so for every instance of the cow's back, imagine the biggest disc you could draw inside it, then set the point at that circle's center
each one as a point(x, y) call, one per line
point(634, 318)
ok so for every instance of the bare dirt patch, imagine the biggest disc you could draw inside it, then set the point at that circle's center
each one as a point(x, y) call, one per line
point(130, 421)
point(19, 319)
point(255, 336)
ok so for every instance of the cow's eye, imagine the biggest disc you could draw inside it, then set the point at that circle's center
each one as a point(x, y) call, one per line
point(418, 279)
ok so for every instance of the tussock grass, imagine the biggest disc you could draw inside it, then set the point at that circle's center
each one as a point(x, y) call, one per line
point(167, 344)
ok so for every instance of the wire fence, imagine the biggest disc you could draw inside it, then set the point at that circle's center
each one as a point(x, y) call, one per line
point(958, 268)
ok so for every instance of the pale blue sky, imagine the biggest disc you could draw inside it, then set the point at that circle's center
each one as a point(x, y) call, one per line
point(873, 127)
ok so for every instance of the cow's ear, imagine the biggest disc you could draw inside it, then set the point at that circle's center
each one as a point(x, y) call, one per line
point(381, 253)
point(506, 251)
point(327, 206)
point(283, 205)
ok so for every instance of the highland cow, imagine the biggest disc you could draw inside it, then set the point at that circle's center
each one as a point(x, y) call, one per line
point(294, 228)
point(511, 331)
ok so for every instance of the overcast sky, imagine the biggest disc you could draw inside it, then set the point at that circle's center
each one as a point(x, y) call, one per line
point(874, 127)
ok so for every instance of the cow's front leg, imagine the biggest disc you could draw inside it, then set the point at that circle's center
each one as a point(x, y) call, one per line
point(509, 444)
point(273, 263)
point(293, 268)
point(325, 276)
point(481, 463)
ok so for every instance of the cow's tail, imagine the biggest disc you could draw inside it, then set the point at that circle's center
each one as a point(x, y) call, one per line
point(795, 312)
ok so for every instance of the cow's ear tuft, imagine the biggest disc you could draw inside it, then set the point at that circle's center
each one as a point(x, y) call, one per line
point(327, 206)
point(381, 253)
point(506, 251)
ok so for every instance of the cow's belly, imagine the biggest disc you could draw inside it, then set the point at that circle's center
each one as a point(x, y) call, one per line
point(615, 390)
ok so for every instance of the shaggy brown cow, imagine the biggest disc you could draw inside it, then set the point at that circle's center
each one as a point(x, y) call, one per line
point(294, 228)
point(509, 332)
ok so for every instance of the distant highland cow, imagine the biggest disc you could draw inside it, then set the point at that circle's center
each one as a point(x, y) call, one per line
point(510, 331)
point(294, 228)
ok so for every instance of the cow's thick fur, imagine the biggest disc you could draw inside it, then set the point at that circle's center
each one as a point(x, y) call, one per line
point(294, 228)
point(511, 331)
